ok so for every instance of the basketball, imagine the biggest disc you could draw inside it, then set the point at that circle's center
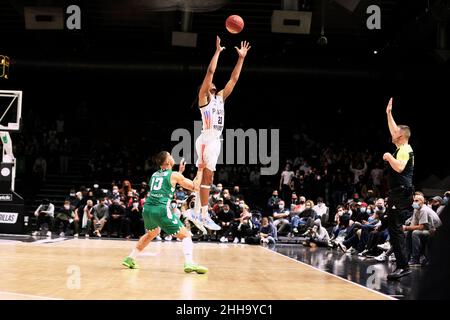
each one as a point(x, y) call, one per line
point(234, 24)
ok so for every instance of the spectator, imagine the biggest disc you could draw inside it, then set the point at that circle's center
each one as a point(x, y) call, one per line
point(40, 168)
point(281, 218)
point(437, 204)
point(242, 226)
point(64, 217)
point(273, 202)
point(267, 233)
point(286, 184)
point(176, 212)
point(44, 214)
point(318, 235)
point(117, 222)
point(321, 209)
point(85, 214)
point(101, 216)
point(358, 172)
point(135, 220)
point(377, 175)
point(180, 194)
point(226, 217)
point(419, 230)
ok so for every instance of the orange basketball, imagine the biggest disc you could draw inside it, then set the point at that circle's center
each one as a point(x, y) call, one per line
point(234, 24)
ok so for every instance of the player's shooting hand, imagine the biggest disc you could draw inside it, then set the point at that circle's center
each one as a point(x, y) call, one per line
point(182, 166)
point(218, 47)
point(242, 51)
point(389, 106)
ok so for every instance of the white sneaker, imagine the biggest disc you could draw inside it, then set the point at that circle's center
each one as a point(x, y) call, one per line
point(236, 240)
point(168, 238)
point(76, 235)
point(62, 234)
point(295, 230)
point(381, 257)
point(49, 233)
point(86, 235)
point(210, 224)
point(158, 238)
point(35, 233)
point(385, 246)
point(197, 222)
point(342, 247)
point(178, 239)
point(363, 253)
point(223, 239)
point(242, 240)
point(392, 257)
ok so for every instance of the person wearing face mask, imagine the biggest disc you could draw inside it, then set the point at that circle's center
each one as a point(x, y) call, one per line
point(188, 211)
point(175, 211)
point(64, 217)
point(418, 232)
point(321, 210)
point(83, 219)
point(273, 202)
point(115, 193)
point(134, 225)
point(280, 218)
point(101, 216)
point(218, 206)
point(226, 217)
point(437, 204)
point(401, 189)
point(117, 217)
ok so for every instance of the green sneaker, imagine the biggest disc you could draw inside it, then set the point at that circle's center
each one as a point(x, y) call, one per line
point(190, 267)
point(130, 263)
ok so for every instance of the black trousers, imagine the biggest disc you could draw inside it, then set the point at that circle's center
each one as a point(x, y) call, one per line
point(45, 219)
point(399, 208)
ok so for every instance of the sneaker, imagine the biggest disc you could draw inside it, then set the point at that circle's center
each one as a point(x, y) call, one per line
point(351, 251)
point(35, 233)
point(295, 230)
point(385, 246)
point(130, 263)
point(197, 222)
point(192, 267)
point(392, 257)
point(86, 235)
point(398, 273)
point(76, 235)
point(242, 240)
point(62, 234)
point(158, 238)
point(98, 234)
point(414, 263)
point(381, 257)
point(236, 240)
point(342, 247)
point(210, 224)
point(49, 233)
point(178, 239)
point(223, 239)
point(363, 253)
point(168, 238)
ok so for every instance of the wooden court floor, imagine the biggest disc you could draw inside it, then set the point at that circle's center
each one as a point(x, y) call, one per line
point(91, 269)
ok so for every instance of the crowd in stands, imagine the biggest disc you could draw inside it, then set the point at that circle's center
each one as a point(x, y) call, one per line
point(356, 225)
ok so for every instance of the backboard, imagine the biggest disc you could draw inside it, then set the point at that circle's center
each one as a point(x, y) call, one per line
point(10, 110)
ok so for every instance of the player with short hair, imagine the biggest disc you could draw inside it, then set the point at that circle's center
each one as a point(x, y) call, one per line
point(157, 214)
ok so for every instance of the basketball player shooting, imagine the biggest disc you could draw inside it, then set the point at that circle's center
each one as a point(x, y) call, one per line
point(211, 105)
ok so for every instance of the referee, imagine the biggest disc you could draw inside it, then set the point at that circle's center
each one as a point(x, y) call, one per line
point(400, 175)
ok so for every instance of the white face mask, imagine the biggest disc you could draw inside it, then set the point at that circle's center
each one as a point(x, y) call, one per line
point(135, 204)
point(67, 207)
point(281, 206)
point(115, 191)
point(173, 205)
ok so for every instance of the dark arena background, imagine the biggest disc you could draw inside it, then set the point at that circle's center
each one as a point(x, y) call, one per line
point(103, 86)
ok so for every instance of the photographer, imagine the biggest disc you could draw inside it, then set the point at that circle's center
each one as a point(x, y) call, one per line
point(44, 214)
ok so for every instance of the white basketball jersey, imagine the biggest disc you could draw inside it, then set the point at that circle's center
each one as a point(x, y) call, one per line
point(213, 115)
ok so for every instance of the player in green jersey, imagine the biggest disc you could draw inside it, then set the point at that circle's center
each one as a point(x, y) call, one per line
point(157, 214)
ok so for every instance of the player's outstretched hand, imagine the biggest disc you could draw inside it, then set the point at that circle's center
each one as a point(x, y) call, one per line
point(242, 51)
point(218, 47)
point(389, 106)
point(182, 165)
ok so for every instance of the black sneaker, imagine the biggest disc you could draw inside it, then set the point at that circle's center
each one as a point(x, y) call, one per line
point(398, 273)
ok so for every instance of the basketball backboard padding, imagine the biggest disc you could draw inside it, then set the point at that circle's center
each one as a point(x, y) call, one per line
point(10, 110)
